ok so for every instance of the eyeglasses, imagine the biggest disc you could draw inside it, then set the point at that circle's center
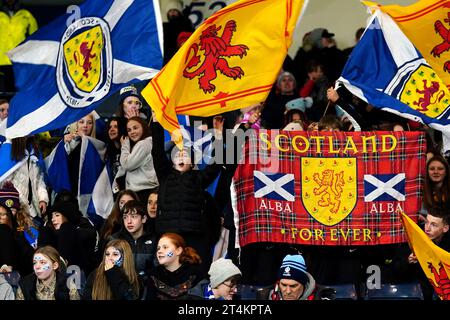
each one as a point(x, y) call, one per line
point(232, 286)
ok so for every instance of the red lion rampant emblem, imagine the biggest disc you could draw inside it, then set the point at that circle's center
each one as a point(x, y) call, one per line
point(445, 35)
point(443, 283)
point(87, 56)
point(215, 49)
point(428, 93)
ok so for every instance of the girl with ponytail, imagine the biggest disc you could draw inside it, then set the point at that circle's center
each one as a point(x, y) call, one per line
point(178, 271)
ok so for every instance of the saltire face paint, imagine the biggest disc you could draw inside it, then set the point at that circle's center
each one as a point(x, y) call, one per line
point(170, 254)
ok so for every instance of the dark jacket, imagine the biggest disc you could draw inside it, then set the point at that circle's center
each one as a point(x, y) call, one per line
point(75, 243)
point(120, 286)
point(8, 248)
point(167, 285)
point(144, 250)
point(180, 200)
point(28, 287)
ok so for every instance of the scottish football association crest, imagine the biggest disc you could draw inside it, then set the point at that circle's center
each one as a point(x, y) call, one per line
point(329, 188)
point(84, 64)
point(425, 92)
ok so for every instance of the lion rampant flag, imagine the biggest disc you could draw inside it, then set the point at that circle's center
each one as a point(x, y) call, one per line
point(426, 23)
point(230, 62)
point(434, 261)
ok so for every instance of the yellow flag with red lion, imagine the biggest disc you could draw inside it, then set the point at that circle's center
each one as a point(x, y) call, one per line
point(435, 262)
point(231, 61)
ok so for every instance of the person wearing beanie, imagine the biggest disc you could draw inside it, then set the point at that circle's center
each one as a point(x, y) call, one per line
point(9, 197)
point(177, 22)
point(224, 277)
point(130, 103)
point(284, 90)
point(294, 281)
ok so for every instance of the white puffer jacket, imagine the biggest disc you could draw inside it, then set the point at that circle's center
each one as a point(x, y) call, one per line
point(30, 171)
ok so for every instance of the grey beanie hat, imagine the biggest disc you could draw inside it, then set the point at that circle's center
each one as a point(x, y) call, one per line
point(221, 270)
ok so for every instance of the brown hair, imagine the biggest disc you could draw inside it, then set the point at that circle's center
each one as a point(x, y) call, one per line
point(115, 217)
point(23, 218)
point(330, 121)
point(19, 146)
point(54, 256)
point(189, 254)
point(100, 288)
point(431, 196)
point(9, 215)
point(145, 129)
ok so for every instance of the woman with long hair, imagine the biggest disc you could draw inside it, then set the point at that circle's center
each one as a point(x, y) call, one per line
point(136, 159)
point(437, 183)
point(178, 269)
point(115, 129)
point(116, 277)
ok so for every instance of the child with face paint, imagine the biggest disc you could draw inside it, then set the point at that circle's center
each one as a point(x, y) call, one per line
point(178, 269)
point(49, 280)
point(116, 277)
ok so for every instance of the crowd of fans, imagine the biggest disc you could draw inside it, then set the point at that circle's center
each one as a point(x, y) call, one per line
point(157, 242)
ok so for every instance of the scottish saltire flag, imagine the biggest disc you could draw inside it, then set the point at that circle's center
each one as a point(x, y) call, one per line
point(102, 200)
point(67, 68)
point(435, 261)
point(92, 163)
point(223, 65)
point(94, 188)
point(387, 71)
point(57, 168)
point(274, 186)
point(384, 187)
point(327, 188)
point(7, 165)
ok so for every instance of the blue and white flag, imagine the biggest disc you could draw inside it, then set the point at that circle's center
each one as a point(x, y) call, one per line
point(95, 197)
point(102, 200)
point(92, 155)
point(7, 164)
point(57, 169)
point(387, 71)
point(384, 187)
point(276, 186)
point(67, 68)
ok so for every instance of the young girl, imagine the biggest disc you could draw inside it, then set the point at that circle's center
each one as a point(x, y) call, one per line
point(178, 269)
point(437, 183)
point(116, 277)
point(49, 280)
point(136, 159)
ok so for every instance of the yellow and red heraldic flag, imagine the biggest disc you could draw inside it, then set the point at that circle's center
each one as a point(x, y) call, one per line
point(231, 61)
point(434, 261)
point(426, 23)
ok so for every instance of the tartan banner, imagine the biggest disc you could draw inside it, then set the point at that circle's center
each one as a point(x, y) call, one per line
point(328, 188)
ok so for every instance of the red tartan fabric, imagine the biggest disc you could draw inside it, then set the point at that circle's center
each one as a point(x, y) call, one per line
point(328, 188)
